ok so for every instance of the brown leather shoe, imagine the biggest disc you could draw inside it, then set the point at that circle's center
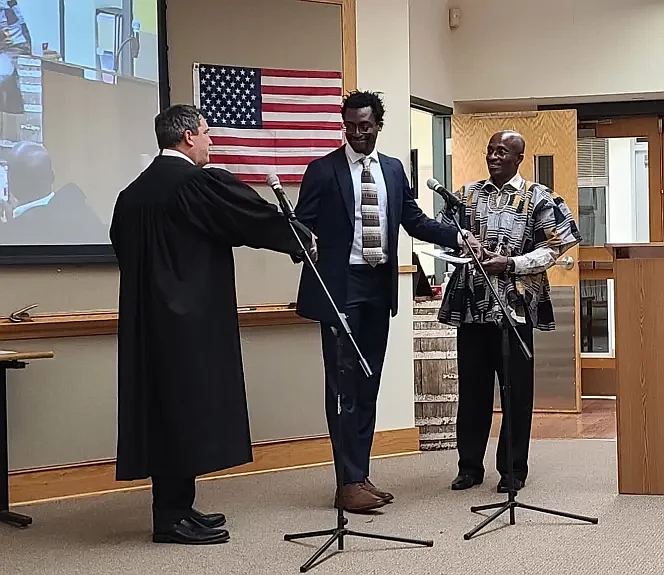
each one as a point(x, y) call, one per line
point(387, 497)
point(357, 498)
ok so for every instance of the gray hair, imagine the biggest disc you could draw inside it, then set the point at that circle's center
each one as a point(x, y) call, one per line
point(171, 124)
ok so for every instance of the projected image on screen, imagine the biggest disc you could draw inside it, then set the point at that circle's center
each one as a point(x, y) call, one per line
point(78, 94)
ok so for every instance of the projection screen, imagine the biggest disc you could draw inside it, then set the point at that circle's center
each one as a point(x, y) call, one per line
point(79, 88)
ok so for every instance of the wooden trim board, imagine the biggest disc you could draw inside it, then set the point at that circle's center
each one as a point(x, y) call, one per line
point(106, 323)
point(598, 363)
point(348, 40)
point(595, 274)
point(595, 254)
point(60, 325)
point(86, 324)
point(99, 477)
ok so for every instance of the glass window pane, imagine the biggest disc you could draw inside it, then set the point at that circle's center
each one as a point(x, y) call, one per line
point(544, 171)
point(613, 190)
point(592, 216)
point(596, 316)
point(628, 197)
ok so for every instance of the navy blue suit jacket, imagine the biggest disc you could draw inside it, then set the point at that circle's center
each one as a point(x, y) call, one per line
point(326, 205)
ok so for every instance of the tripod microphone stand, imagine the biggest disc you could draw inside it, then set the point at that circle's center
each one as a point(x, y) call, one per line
point(507, 326)
point(339, 532)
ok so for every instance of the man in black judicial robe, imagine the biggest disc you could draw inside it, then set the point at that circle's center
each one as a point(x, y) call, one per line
point(182, 408)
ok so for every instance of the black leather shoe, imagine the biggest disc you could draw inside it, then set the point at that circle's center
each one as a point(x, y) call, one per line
point(503, 487)
point(210, 520)
point(187, 532)
point(465, 481)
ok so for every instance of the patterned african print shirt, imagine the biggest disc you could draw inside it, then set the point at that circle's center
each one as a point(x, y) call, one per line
point(525, 221)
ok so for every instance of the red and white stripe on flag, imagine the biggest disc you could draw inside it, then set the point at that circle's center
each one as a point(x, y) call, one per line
point(268, 121)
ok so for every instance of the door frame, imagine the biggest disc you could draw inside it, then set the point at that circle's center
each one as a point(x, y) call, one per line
point(596, 263)
point(635, 127)
point(569, 187)
point(442, 169)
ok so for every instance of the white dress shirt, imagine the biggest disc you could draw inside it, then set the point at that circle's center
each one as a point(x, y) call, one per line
point(176, 154)
point(34, 204)
point(355, 165)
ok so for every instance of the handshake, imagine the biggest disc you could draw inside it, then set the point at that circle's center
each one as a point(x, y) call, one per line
point(493, 263)
point(313, 250)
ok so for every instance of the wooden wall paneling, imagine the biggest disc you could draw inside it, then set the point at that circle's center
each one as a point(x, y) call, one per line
point(598, 381)
point(639, 368)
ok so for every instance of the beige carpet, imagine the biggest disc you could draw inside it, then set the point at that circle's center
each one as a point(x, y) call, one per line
point(111, 534)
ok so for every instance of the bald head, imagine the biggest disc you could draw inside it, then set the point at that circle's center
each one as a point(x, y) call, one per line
point(511, 139)
point(503, 156)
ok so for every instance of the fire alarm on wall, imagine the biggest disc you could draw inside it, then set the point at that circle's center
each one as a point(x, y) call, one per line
point(455, 17)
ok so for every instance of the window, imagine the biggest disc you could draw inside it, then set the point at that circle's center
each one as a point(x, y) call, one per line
point(592, 216)
point(544, 171)
point(597, 327)
point(613, 190)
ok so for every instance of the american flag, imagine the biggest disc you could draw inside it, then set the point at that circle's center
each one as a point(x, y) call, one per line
point(266, 121)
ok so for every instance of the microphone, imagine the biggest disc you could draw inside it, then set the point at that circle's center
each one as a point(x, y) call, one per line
point(285, 203)
point(135, 38)
point(450, 199)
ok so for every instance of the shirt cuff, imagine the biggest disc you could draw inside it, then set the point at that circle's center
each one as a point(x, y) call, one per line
point(535, 262)
point(460, 239)
point(520, 264)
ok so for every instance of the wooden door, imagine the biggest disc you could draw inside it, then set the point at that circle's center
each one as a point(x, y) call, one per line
point(551, 145)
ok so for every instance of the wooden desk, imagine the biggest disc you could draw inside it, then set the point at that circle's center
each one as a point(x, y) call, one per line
point(11, 360)
point(639, 318)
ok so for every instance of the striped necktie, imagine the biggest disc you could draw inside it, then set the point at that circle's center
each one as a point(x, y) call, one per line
point(372, 249)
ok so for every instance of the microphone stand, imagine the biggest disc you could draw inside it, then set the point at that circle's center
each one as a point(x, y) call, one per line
point(339, 532)
point(508, 325)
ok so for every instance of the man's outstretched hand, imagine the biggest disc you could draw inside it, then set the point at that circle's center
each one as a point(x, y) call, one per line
point(475, 245)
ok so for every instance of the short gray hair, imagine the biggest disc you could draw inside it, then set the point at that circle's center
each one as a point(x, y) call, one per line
point(171, 124)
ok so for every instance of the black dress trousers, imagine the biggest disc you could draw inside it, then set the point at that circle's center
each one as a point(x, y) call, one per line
point(367, 309)
point(479, 353)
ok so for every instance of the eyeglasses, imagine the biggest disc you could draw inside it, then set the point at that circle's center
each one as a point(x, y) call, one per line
point(362, 128)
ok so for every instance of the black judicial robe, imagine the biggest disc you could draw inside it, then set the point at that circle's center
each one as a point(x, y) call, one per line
point(182, 407)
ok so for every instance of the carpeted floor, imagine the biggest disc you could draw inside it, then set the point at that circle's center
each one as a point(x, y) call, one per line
point(111, 534)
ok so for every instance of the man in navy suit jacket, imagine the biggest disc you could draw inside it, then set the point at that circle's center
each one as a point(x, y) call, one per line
point(354, 201)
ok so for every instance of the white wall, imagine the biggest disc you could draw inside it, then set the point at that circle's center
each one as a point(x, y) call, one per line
point(431, 52)
point(620, 208)
point(515, 49)
point(383, 66)
point(627, 192)
point(64, 410)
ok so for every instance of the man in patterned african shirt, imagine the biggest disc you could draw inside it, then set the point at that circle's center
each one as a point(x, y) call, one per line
point(524, 228)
